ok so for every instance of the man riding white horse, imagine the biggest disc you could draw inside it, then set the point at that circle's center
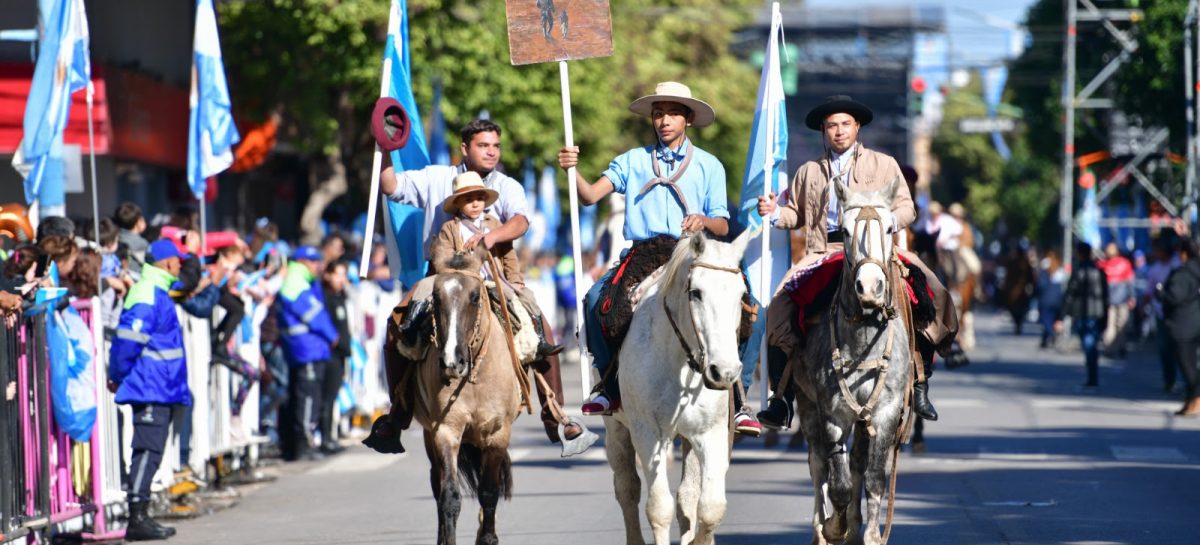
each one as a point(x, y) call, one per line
point(811, 205)
point(672, 187)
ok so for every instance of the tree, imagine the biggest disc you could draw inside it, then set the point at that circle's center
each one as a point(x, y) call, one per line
point(1019, 192)
point(317, 63)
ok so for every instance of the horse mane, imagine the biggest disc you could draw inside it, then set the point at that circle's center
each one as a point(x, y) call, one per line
point(459, 262)
point(680, 262)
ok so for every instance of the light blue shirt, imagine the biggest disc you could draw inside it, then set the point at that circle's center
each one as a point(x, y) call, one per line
point(428, 188)
point(659, 211)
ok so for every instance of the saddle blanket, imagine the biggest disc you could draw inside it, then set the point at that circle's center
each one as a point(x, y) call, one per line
point(812, 288)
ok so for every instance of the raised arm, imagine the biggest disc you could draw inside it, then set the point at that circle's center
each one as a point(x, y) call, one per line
point(589, 193)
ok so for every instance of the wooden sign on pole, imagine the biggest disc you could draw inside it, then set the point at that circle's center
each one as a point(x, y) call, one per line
point(562, 30)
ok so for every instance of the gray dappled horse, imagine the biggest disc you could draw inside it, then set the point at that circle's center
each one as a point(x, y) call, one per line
point(854, 376)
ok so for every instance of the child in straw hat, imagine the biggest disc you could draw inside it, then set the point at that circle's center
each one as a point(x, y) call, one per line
point(466, 204)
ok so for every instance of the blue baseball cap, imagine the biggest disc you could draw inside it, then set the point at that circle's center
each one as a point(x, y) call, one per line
point(163, 249)
point(307, 253)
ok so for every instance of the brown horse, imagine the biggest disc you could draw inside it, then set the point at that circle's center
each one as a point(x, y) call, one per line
point(467, 394)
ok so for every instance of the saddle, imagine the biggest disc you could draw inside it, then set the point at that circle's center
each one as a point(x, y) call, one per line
point(617, 296)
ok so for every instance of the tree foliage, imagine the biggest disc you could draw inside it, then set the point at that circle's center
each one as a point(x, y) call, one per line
point(1015, 194)
point(317, 63)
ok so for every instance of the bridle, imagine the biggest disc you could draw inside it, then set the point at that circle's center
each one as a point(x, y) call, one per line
point(867, 215)
point(697, 357)
point(477, 339)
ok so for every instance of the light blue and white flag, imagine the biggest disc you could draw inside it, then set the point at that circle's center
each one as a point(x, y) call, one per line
point(211, 132)
point(1088, 219)
point(439, 148)
point(766, 166)
point(405, 223)
point(62, 68)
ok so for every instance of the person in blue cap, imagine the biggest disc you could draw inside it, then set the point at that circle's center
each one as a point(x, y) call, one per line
point(308, 337)
point(148, 372)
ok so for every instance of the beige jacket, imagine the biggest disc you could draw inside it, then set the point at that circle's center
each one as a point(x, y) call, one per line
point(449, 241)
point(808, 203)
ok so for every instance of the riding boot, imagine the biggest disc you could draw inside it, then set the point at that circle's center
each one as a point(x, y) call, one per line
point(545, 348)
point(143, 528)
point(921, 404)
point(416, 322)
point(779, 413)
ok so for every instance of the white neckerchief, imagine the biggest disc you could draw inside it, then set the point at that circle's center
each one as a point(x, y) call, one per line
point(466, 234)
point(839, 172)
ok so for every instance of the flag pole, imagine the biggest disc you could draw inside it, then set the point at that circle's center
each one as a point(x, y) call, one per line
point(769, 183)
point(585, 370)
point(377, 162)
point(203, 227)
point(95, 194)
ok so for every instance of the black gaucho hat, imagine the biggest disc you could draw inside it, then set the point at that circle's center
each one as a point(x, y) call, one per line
point(838, 104)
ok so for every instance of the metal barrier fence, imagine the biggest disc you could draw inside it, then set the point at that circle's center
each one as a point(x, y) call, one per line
point(50, 483)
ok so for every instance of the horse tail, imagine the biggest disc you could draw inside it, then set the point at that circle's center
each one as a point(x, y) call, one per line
point(470, 468)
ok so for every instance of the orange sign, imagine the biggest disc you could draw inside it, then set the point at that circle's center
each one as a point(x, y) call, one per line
point(558, 30)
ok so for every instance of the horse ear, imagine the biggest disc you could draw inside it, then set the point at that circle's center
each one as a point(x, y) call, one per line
point(697, 242)
point(840, 190)
point(743, 240)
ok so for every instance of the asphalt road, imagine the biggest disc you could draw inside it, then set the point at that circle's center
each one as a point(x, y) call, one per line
point(1018, 457)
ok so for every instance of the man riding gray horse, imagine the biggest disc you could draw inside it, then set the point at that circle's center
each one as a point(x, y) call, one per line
point(811, 205)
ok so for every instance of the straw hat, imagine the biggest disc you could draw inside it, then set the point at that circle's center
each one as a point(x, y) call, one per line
point(670, 91)
point(468, 182)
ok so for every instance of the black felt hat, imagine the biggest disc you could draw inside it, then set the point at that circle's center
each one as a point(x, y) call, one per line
point(838, 104)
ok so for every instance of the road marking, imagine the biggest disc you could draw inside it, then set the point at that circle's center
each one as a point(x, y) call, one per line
point(1148, 454)
point(1021, 503)
point(355, 463)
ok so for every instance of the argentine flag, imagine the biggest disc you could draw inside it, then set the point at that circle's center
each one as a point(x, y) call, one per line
point(211, 132)
point(767, 261)
point(62, 68)
point(404, 223)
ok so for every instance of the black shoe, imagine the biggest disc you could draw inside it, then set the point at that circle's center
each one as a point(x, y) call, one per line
point(778, 414)
point(414, 322)
point(142, 527)
point(956, 358)
point(544, 349)
point(384, 437)
point(921, 404)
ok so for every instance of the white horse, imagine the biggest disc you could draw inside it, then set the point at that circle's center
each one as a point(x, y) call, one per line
point(854, 377)
point(677, 366)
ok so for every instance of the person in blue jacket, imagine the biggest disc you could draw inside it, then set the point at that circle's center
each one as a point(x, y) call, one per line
point(148, 372)
point(308, 337)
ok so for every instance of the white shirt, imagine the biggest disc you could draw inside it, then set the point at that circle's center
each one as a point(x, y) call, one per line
point(428, 188)
point(949, 231)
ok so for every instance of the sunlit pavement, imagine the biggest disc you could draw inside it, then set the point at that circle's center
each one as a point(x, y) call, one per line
point(1018, 457)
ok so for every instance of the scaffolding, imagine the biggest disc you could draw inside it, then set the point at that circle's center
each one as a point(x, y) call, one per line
point(1155, 141)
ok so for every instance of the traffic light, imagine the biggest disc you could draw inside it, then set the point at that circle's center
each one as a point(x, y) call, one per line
point(916, 95)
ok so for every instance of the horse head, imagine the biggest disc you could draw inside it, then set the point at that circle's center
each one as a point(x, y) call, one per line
point(458, 309)
point(703, 301)
point(867, 226)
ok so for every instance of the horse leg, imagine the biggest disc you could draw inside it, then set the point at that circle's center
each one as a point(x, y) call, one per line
point(817, 470)
point(687, 497)
point(859, 453)
point(712, 449)
point(495, 482)
point(442, 447)
point(876, 477)
point(655, 454)
point(628, 487)
point(840, 485)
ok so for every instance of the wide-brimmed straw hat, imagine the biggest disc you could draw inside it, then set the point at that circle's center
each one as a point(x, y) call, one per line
point(838, 104)
point(468, 182)
point(670, 91)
